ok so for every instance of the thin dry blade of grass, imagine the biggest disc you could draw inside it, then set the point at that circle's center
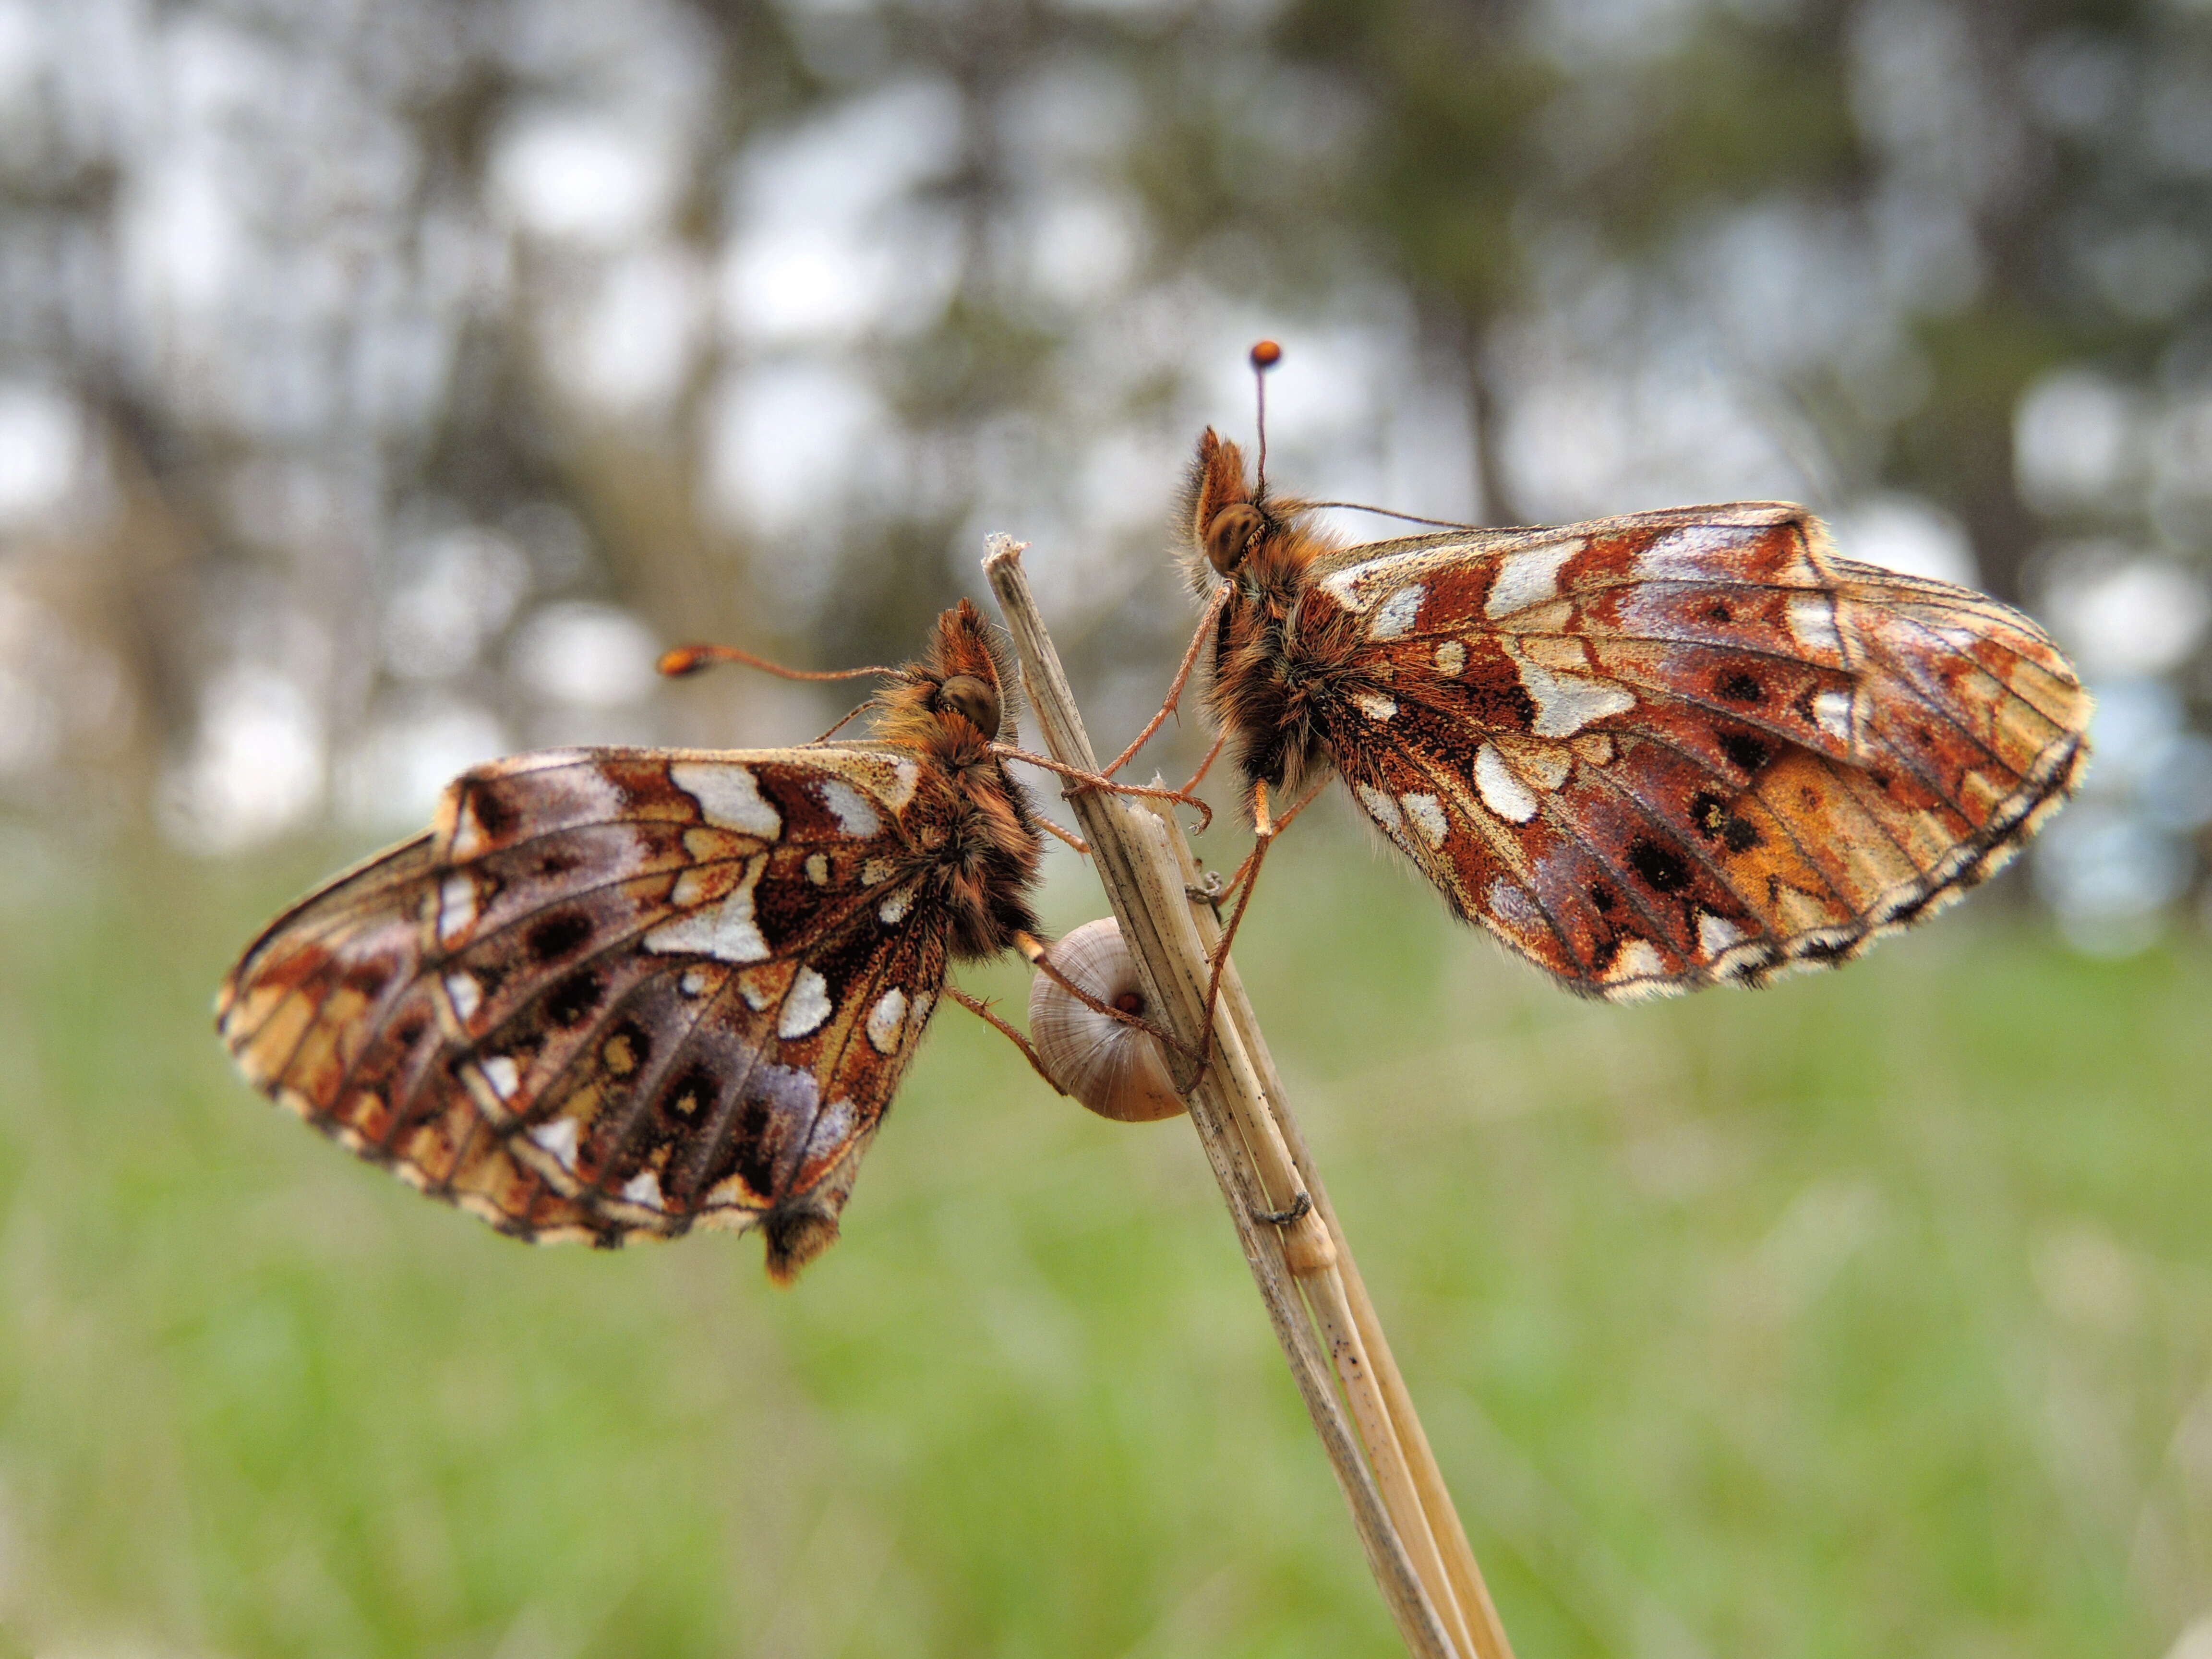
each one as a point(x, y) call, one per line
point(1415, 1546)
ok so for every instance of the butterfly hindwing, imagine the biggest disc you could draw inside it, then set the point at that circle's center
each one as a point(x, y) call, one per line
point(623, 992)
point(1654, 751)
point(664, 988)
point(329, 1014)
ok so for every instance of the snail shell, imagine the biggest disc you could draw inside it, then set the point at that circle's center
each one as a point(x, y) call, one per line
point(1112, 1069)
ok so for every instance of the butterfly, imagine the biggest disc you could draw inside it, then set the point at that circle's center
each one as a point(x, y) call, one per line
point(625, 992)
point(1648, 753)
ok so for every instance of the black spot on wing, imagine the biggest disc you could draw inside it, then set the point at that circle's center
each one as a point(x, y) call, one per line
point(555, 936)
point(1740, 835)
point(1662, 869)
point(1747, 753)
point(1716, 822)
point(755, 1160)
point(575, 998)
point(692, 1096)
point(494, 814)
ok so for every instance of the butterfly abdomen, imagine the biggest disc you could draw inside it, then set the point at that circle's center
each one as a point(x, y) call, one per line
point(981, 849)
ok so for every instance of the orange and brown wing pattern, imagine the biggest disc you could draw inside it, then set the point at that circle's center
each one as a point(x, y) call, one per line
point(1656, 752)
point(617, 992)
point(334, 991)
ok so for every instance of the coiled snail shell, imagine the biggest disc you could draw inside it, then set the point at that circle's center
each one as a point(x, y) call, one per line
point(1110, 1068)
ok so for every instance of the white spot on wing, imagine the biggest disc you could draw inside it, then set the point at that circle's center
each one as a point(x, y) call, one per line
point(500, 1071)
point(643, 1188)
point(1502, 791)
point(855, 812)
point(1397, 612)
point(892, 911)
point(1831, 713)
point(1451, 657)
point(1812, 619)
point(1509, 904)
point(1427, 814)
point(899, 790)
point(885, 1018)
point(1374, 705)
point(1636, 959)
point(465, 994)
point(1693, 553)
point(692, 983)
point(1528, 578)
point(817, 868)
point(832, 1129)
point(1381, 805)
point(875, 873)
point(457, 908)
point(726, 932)
point(558, 1138)
point(805, 1007)
point(1567, 702)
point(728, 796)
point(469, 837)
point(1716, 933)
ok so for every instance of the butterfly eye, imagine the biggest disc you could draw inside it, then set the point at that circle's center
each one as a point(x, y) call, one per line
point(1230, 533)
point(967, 696)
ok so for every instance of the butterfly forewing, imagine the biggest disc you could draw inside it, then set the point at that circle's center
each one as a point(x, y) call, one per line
point(1654, 751)
point(621, 992)
point(684, 986)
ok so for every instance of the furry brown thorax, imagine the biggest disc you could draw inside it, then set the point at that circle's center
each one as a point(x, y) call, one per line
point(1266, 673)
point(970, 823)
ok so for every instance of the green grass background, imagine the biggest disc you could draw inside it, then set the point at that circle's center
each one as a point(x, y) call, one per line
point(1869, 1315)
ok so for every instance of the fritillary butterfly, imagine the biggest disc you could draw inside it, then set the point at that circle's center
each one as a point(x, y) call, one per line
point(1648, 753)
point(623, 992)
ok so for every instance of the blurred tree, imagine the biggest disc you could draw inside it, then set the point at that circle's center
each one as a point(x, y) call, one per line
point(384, 381)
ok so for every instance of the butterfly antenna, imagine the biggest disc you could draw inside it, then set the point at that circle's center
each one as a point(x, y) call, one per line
point(1265, 355)
point(691, 659)
point(1393, 513)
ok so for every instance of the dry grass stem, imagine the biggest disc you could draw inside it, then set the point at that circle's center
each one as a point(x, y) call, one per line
point(1304, 1271)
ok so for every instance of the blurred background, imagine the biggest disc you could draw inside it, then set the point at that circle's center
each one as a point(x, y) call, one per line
point(381, 385)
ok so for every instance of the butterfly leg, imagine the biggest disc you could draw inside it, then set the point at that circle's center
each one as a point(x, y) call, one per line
point(1264, 830)
point(1182, 678)
point(1099, 780)
point(1205, 766)
point(1072, 839)
point(983, 1011)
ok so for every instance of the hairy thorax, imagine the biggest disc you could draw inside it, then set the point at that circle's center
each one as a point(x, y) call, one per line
point(1284, 669)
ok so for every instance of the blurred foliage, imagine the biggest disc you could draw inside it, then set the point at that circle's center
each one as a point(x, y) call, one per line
point(752, 318)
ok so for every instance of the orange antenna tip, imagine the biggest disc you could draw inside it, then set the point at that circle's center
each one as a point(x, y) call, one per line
point(1266, 354)
point(691, 659)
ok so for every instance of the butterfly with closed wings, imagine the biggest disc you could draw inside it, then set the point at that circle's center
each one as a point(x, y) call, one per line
point(626, 992)
point(1647, 753)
